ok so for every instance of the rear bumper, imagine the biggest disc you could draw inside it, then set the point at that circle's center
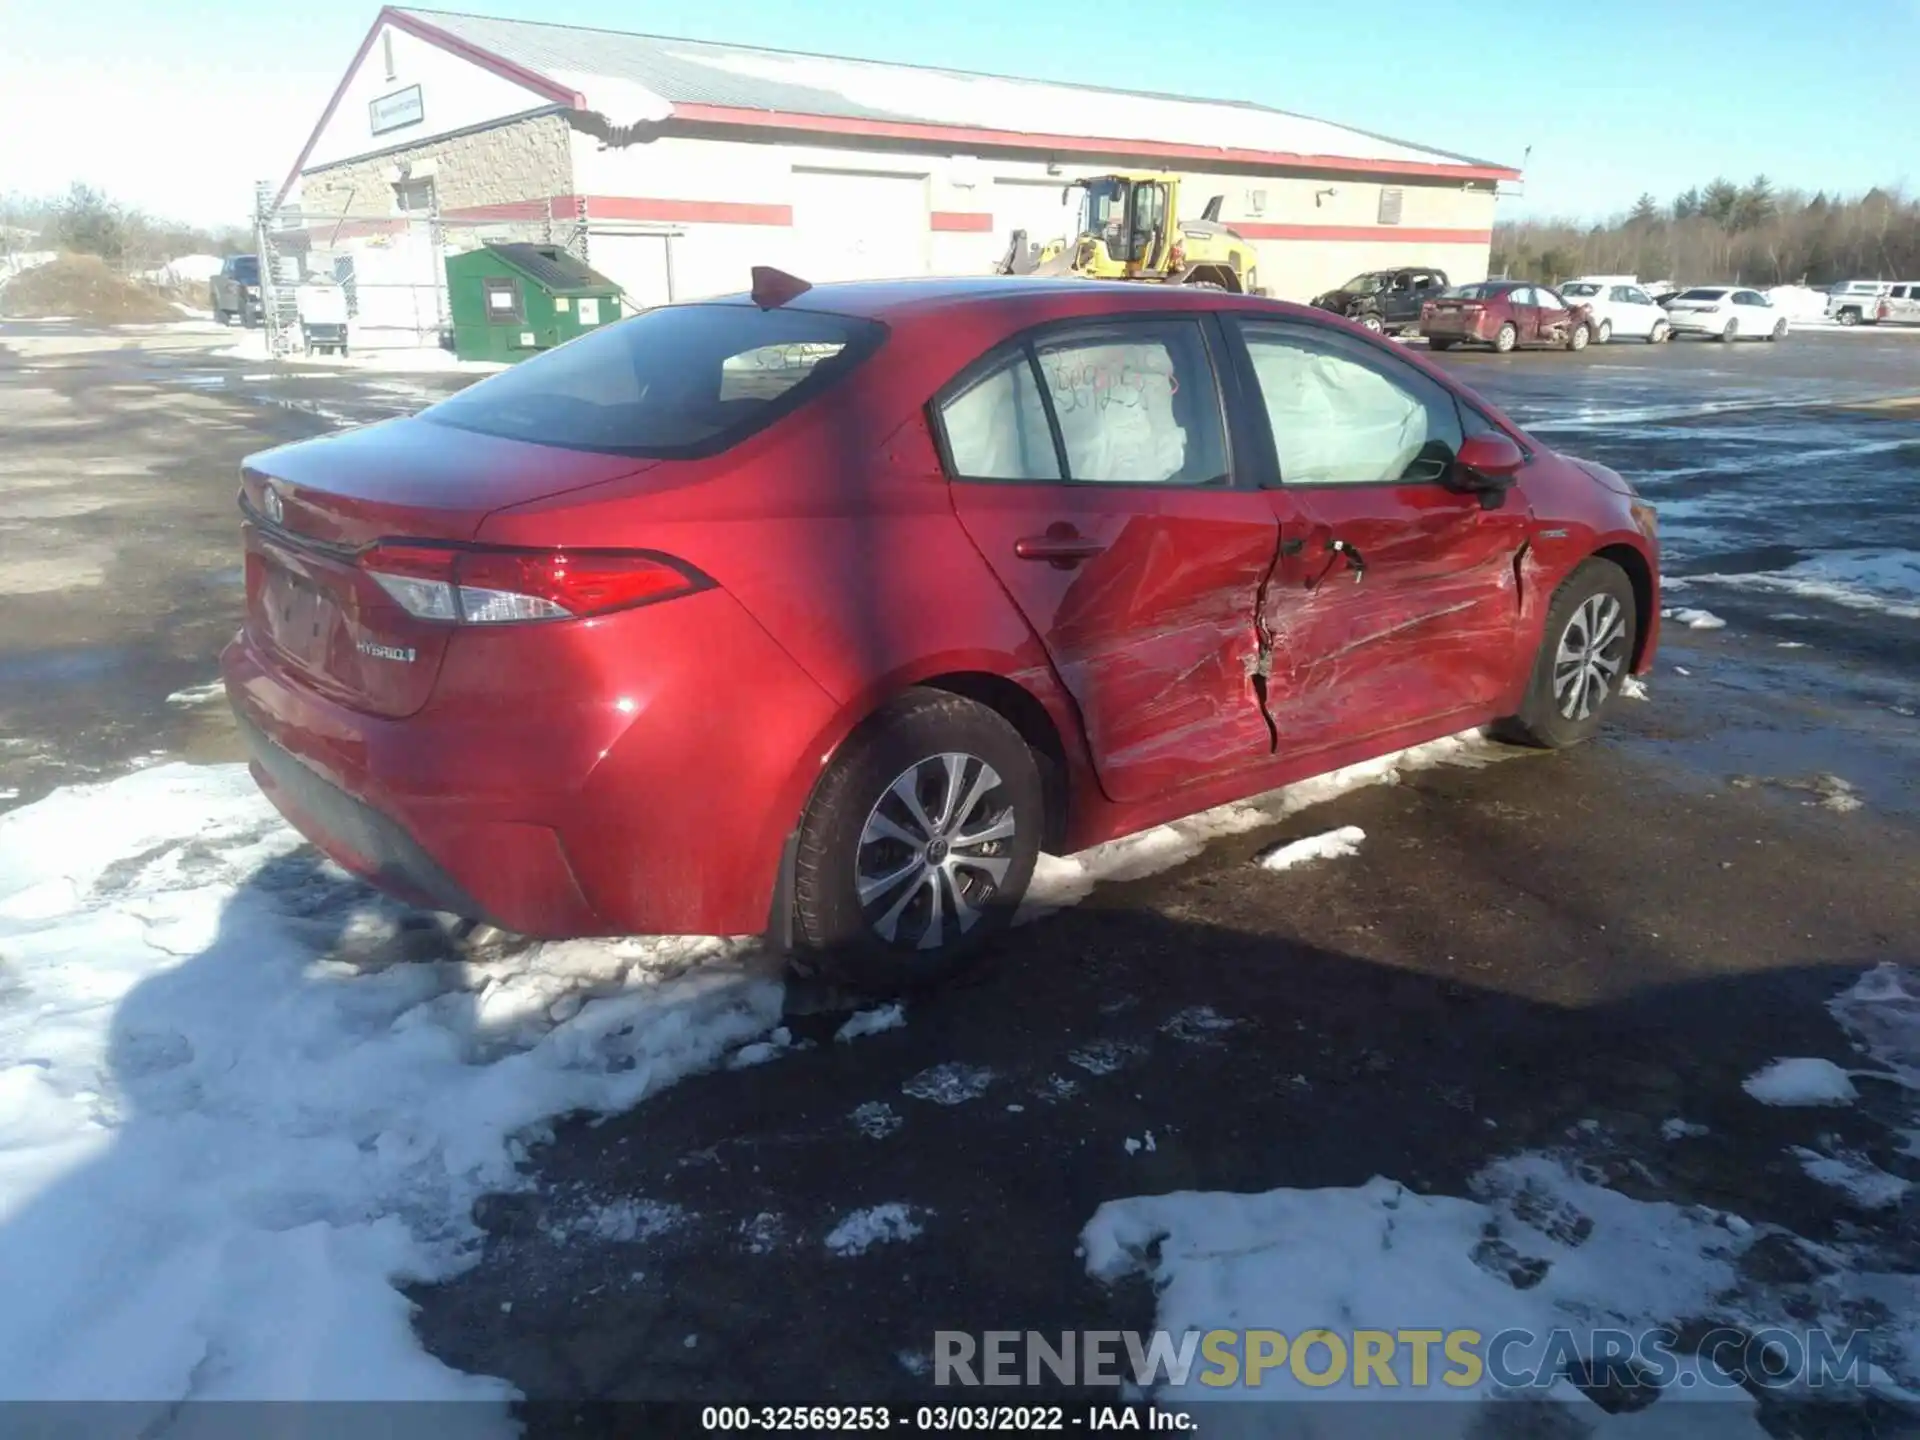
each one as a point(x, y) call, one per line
point(637, 774)
point(1696, 322)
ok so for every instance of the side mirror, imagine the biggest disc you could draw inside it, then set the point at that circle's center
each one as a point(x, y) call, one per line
point(1487, 465)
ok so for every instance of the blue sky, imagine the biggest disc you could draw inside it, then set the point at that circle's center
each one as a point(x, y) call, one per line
point(178, 105)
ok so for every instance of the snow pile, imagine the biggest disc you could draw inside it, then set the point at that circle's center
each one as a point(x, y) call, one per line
point(1632, 687)
point(1695, 619)
point(1330, 846)
point(1799, 303)
point(1059, 881)
point(229, 1124)
point(1886, 581)
point(873, 1022)
point(1802, 1081)
point(1539, 1249)
point(879, 1225)
point(187, 270)
point(1865, 1183)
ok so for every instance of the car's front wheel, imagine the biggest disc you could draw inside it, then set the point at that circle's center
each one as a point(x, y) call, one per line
point(1591, 631)
point(918, 844)
point(1373, 323)
point(1779, 330)
point(1577, 337)
point(1662, 332)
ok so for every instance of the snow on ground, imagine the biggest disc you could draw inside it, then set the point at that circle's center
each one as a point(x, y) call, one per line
point(1694, 619)
point(1059, 881)
point(1330, 846)
point(1632, 687)
point(1886, 581)
point(230, 1125)
point(872, 1022)
point(197, 695)
point(1802, 1081)
point(1865, 1183)
point(364, 356)
point(879, 1225)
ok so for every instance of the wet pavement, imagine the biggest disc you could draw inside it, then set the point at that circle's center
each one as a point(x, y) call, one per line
point(1557, 951)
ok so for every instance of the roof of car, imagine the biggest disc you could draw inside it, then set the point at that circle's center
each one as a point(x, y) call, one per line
point(882, 299)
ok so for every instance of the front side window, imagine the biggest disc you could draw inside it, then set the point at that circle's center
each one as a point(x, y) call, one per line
point(1547, 300)
point(1343, 414)
point(1132, 404)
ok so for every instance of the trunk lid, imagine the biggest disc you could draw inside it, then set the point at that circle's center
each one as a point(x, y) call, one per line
point(310, 511)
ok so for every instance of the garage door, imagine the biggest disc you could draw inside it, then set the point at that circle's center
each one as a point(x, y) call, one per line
point(1033, 206)
point(859, 225)
point(636, 263)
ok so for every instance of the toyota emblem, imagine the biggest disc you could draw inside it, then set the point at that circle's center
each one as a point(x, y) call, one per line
point(276, 511)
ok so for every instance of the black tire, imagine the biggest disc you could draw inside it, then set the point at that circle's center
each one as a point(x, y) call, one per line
point(1849, 317)
point(1604, 334)
point(1779, 330)
point(1374, 323)
point(1583, 598)
point(839, 938)
point(1506, 338)
point(1578, 337)
point(1731, 333)
point(1439, 344)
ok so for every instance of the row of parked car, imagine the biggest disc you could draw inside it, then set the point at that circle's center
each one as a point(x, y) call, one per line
point(1510, 314)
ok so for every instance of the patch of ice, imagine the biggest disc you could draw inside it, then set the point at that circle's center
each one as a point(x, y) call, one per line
point(1697, 619)
point(228, 1133)
point(1801, 1081)
point(1104, 1057)
point(872, 1022)
point(763, 1234)
point(1674, 1128)
point(1865, 1183)
point(626, 1221)
point(876, 1225)
point(1886, 581)
point(1632, 687)
point(876, 1119)
point(1136, 1147)
point(913, 1362)
point(1059, 881)
point(761, 1051)
point(1789, 645)
point(953, 1083)
point(1330, 846)
point(1198, 1025)
point(197, 694)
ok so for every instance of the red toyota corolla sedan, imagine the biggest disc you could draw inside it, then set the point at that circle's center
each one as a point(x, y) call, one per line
point(820, 612)
point(1505, 314)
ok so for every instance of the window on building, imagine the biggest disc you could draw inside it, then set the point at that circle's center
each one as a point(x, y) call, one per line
point(1390, 203)
point(413, 197)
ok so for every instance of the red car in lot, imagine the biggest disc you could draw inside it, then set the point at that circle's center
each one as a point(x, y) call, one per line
point(1505, 314)
point(819, 612)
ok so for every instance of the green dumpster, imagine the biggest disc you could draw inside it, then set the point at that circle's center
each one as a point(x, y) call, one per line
point(512, 300)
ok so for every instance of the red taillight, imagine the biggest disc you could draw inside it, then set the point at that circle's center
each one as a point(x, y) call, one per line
point(498, 587)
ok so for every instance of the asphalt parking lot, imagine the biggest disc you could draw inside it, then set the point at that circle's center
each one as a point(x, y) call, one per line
point(1565, 956)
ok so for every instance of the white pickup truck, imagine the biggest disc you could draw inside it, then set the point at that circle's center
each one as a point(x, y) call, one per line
point(1857, 302)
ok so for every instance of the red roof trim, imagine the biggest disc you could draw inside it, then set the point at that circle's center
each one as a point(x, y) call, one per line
point(1409, 234)
point(968, 221)
point(710, 212)
point(453, 45)
point(964, 135)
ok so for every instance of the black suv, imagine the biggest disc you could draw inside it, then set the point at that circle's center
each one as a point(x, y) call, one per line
point(1385, 300)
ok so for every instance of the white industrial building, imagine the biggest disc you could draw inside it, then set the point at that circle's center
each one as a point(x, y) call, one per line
point(675, 165)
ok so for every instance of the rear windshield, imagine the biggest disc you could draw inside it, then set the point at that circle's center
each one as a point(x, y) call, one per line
point(1485, 291)
point(675, 382)
point(1579, 287)
point(1700, 294)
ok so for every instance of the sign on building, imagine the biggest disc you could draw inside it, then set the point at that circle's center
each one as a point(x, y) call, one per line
point(396, 111)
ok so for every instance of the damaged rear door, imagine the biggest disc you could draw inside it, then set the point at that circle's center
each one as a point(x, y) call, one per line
point(1396, 600)
point(1091, 467)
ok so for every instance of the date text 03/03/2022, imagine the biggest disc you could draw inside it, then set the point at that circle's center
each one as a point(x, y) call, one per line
point(942, 1419)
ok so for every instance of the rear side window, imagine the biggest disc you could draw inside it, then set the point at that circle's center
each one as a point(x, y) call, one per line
point(1126, 404)
point(672, 383)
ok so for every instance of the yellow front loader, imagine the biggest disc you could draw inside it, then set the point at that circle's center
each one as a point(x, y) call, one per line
point(1130, 230)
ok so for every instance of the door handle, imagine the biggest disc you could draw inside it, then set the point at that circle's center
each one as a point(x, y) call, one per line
point(1062, 545)
point(1352, 557)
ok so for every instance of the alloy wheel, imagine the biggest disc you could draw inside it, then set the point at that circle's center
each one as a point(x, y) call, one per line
point(1593, 648)
point(934, 850)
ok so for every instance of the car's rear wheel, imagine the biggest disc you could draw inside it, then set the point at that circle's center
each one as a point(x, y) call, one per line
point(1505, 339)
point(917, 846)
point(1578, 336)
point(1731, 333)
point(1662, 332)
point(1605, 334)
point(1439, 344)
point(1590, 634)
